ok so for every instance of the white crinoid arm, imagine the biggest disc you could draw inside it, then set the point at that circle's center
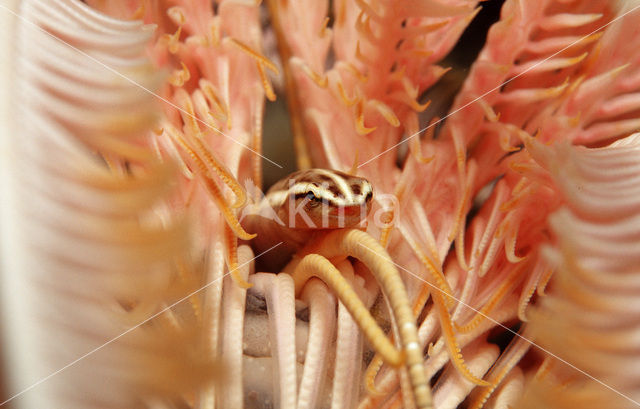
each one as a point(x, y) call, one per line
point(87, 243)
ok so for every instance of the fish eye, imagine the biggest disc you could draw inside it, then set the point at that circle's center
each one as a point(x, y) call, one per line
point(311, 197)
point(369, 196)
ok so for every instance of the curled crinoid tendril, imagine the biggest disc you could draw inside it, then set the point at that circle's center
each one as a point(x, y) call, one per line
point(340, 244)
point(205, 165)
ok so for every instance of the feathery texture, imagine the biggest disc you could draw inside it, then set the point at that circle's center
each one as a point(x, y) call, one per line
point(590, 316)
point(497, 221)
point(88, 244)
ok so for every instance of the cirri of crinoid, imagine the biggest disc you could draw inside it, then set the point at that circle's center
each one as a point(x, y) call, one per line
point(290, 204)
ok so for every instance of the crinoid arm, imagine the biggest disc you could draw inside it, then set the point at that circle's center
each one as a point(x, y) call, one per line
point(339, 244)
point(318, 266)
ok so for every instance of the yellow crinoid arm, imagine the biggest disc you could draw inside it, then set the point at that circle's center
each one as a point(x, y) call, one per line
point(450, 340)
point(206, 162)
point(360, 245)
point(512, 279)
point(231, 242)
point(318, 266)
point(370, 375)
point(376, 362)
point(211, 186)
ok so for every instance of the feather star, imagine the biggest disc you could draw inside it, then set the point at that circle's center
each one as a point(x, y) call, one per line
point(497, 267)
